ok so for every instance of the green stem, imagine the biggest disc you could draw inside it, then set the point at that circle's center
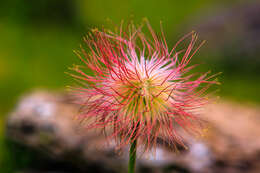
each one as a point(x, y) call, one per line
point(132, 157)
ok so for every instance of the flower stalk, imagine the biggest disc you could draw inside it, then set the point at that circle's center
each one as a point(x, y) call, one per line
point(132, 157)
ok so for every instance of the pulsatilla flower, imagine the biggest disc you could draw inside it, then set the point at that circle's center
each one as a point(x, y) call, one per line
point(137, 88)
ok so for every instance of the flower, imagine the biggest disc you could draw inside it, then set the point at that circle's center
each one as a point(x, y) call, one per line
point(136, 88)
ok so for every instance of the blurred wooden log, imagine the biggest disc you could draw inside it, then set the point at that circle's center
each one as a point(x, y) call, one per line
point(45, 121)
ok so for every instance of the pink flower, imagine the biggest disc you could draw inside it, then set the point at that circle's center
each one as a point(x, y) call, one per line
point(137, 88)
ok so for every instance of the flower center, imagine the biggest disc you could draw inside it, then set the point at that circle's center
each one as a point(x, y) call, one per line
point(145, 88)
point(142, 97)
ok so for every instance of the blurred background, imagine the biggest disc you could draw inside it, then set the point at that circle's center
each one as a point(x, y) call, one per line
point(37, 39)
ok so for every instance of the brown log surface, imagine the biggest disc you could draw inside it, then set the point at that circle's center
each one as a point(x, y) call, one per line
point(46, 122)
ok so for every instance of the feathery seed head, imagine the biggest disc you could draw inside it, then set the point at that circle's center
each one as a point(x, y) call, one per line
point(139, 88)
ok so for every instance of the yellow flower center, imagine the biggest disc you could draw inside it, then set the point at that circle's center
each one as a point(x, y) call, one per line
point(143, 98)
